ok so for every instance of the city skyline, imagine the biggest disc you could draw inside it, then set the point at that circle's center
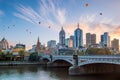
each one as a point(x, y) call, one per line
point(23, 21)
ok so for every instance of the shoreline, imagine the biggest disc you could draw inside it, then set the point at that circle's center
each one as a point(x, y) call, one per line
point(17, 63)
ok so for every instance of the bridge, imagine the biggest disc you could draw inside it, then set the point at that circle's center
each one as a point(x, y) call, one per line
point(85, 63)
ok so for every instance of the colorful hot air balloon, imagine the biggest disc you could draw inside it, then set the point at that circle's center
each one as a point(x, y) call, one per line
point(100, 13)
point(39, 22)
point(86, 4)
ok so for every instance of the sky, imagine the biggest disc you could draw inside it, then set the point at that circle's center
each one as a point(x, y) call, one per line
point(23, 21)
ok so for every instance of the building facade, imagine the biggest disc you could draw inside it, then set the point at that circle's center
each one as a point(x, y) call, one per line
point(78, 38)
point(72, 38)
point(51, 44)
point(90, 39)
point(115, 44)
point(105, 40)
point(4, 44)
point(69, 42)
point(62, 37)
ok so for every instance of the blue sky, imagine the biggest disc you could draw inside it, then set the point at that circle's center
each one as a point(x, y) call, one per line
point(19, 19)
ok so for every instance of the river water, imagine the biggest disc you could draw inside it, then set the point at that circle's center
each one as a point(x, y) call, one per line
point(43, 73)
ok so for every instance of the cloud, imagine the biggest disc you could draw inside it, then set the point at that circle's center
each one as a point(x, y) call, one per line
point(92, 24)
point(49, 13)
point(116, 32)
point(1, 13)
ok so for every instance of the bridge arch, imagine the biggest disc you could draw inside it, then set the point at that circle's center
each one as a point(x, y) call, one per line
point(99, 67)
point(45, 60)
point(62, 63)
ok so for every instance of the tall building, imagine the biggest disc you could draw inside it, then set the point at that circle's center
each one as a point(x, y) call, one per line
point(51, 44)
point(115, 44)
point(72, 38)
point(69, 42)
point(4, 44)
point(93, 39)
point(38, 48)
point(78, 38)
point(105, 40)
point(102, 39)
point(62, 37)
point(90, 39)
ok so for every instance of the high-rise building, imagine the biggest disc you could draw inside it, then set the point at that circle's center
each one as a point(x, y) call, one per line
point(72, 38)
point(78, 38)
point(62, 37)
point(69, 42)
point(102, 39)
point(66, 42)
point(38, 46)
point(93, 38)
point(51, 44)
point(4, 44)
point(105, 40)
point(90, 39)
point(115, 44)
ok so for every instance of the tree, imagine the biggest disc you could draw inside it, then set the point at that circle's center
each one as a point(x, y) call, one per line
point(98, 51)
point(0, 53)
point(21, 54)
point(33, 56)
point(9, 56)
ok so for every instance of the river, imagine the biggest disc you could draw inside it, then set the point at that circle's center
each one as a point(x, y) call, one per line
point(43, 73)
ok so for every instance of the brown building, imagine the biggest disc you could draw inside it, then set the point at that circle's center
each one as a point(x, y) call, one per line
point(90, 39)
point(115, 44)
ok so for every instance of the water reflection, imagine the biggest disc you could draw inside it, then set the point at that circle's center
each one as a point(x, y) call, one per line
point(42, 73)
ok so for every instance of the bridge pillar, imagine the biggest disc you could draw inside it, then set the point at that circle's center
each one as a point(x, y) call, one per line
point(50, 64)
point(75, 58)
point(74, 70)
point(51, 58)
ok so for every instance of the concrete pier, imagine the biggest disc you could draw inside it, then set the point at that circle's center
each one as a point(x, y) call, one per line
point(98, 68)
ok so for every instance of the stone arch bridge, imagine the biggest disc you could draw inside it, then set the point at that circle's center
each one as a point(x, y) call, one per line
point(77, 62)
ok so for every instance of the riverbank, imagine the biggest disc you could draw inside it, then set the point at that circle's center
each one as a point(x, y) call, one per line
point(15, 63)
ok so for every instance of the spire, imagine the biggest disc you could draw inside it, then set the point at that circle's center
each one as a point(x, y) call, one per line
point(62, 28)
point(38, 45)
point(78, 25)
point(38, 39)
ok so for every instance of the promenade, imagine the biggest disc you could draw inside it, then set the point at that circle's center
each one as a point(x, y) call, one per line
point(15, 63)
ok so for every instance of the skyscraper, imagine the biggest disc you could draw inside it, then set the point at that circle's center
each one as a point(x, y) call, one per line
point(115, 44)
point(90, 39)
point(78, 38)
point(72, 38)
point(105, 40)
point(51, 44)
point(93, 39)
point(69, 42)
point(62, 37)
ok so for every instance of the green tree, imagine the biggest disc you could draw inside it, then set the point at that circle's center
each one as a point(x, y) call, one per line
point(0, 53)
point(21, 54)
point(8, 56)
point(98, 51)
point(33, 56)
